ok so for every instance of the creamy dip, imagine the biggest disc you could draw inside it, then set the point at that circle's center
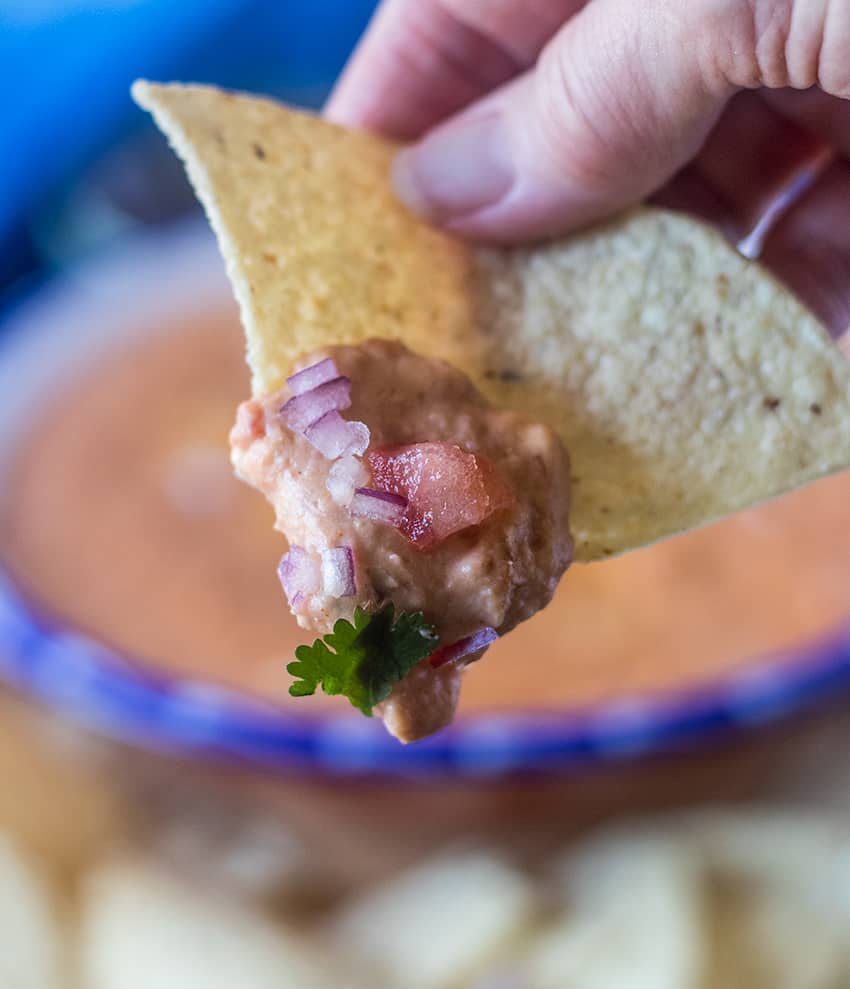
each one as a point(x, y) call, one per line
point(494, 573)
point(122, 516)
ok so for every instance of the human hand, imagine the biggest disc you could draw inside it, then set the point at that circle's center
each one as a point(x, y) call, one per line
point(533, 117)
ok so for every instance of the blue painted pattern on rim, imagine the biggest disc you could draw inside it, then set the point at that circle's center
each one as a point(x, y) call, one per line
point(112, 694)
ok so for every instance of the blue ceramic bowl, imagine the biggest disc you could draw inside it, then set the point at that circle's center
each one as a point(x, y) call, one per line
point(121, 698)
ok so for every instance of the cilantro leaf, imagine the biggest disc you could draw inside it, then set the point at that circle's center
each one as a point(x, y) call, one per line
point(317, 665)
point(364, 658)
point(392, 649)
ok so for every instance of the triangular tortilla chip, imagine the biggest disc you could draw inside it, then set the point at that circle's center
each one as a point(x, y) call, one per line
point(685, 382)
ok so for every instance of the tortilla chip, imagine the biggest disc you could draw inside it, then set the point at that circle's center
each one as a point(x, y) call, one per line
point(685, 382)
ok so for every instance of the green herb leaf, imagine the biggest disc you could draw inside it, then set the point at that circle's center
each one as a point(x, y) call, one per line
point(364, 658)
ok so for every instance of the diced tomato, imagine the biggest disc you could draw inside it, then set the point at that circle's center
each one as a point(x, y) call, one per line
point(447, 489)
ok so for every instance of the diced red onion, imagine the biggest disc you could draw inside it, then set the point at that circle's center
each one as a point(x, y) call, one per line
point(329, 434)
point(312, 376)
point(299, 574)
point(338, 572)
point(463, 647)
point(359, 437)
point(344, 476)
point(380, 506)
point(334, 436)
point(303, 410)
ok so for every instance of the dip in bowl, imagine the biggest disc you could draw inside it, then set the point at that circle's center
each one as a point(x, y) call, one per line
point(139, 590)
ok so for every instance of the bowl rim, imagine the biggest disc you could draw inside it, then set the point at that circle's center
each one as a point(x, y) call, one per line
point(117, 695)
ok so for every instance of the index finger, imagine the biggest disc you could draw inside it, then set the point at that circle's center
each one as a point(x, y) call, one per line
point(422, 60)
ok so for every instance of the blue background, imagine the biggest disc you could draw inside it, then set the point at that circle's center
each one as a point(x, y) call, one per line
point(79, 164)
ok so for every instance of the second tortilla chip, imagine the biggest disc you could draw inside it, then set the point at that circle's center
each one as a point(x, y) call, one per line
point(685, 382)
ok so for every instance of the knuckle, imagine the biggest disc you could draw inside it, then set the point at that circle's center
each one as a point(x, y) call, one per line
point(781, 43)
point(832, 58)
point(817, 46)
point(726, 56)
point(582, 120)
point(773, 49)
point(749, 40)
point(566, 127)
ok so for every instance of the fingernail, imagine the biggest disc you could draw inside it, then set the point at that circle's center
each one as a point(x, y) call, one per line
point(458, 169)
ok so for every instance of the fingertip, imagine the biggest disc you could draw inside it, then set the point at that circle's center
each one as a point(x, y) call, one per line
point(348, 104)
point(462, 167)
point(336, 113)
point(406, 185)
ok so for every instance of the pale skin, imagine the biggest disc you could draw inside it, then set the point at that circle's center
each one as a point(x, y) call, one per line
point(530, 118)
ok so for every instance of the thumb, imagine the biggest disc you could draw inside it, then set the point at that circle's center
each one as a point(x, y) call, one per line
point(619, 100)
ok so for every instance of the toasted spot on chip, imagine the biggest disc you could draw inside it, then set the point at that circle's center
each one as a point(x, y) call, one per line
point(647, 342)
